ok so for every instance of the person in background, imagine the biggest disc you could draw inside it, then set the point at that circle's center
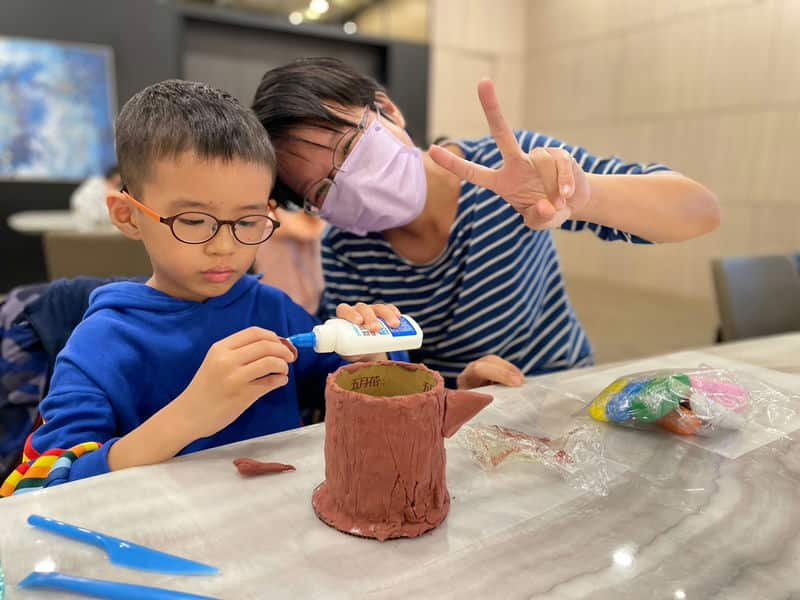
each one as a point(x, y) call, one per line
point(88, 201)
point(458, 236)
point(292, 261)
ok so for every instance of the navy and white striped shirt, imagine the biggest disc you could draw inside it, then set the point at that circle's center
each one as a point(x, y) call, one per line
point(497, 287)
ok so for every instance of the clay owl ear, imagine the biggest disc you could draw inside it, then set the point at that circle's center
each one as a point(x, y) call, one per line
point(459, 407)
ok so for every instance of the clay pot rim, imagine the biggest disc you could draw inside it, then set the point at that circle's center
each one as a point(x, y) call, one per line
point(398, 398)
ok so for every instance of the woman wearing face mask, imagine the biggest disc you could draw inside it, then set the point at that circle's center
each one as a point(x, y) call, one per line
point(458, 236)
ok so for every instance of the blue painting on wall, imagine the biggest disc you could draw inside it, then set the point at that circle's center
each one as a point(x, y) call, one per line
point(56, 110)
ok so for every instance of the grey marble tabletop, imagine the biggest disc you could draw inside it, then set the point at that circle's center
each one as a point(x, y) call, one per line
point(680, 520)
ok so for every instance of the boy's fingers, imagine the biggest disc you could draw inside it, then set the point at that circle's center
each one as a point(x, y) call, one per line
point(248, 336)
point(264, 367)
point(266, 384)
point(290, 347)
point(263, 349)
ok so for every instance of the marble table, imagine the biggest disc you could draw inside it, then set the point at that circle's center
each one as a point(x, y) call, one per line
point(679, 520)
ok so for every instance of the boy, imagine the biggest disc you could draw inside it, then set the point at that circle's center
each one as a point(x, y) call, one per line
point(195, 357)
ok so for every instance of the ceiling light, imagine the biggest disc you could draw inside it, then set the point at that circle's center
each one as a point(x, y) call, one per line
point(350, 28)
point(319, 6)
point(296, 18)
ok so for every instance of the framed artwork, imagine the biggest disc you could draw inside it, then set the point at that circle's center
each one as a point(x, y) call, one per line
point(57, 102)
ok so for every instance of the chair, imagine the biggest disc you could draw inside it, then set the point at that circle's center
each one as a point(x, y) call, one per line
point(757, 296)
point(98, 254)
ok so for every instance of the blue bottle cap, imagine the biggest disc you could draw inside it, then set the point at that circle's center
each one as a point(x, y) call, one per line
point(304, 340)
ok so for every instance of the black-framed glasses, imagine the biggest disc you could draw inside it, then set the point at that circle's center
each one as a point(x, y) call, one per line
point(196, 227)
point(314, 196)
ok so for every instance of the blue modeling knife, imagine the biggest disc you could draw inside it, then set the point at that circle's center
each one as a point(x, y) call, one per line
point(97, 588)
point(123, 553)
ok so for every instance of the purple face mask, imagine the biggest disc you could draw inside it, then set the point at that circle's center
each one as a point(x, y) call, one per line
point(381, 185)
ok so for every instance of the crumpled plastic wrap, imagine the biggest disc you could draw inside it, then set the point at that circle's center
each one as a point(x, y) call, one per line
point(577, 455)
point(703, 401)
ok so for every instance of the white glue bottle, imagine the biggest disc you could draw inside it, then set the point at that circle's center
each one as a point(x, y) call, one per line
point(348, 339)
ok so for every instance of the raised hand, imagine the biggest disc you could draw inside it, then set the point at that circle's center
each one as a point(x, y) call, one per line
point(546, 186)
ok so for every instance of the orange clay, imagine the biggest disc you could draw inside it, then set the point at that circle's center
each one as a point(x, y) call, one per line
point(681, 421)
point(250, 467)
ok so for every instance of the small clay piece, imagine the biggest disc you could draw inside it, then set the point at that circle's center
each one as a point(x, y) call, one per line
point(681, 421)
point(384, 448)
point(250, 467)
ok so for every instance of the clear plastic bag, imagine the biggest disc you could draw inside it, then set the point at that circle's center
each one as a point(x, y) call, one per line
point(577, 455)
point(702, 402)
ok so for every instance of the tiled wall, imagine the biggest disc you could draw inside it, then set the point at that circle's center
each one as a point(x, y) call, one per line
point(709, 87)
point(401, 19)
point(471, 39)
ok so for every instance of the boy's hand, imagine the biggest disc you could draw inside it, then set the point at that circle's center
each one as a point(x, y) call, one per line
point(236, 372)
point(488, 370)
point(367, 315)
point(546, 186)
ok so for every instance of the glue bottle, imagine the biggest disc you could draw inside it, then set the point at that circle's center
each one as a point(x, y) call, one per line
point(348, 339)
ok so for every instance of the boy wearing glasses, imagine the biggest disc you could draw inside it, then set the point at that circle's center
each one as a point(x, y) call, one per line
point(195, 357)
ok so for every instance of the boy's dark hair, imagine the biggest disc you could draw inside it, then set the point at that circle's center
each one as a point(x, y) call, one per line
point(298, 94)
point(169, 118)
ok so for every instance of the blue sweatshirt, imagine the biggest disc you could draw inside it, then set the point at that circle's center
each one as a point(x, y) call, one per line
point(135, 351)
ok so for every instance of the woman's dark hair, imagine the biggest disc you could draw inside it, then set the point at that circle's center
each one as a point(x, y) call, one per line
point(300, 93)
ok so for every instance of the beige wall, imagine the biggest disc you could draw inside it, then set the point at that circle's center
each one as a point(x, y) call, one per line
point(401, 19)
point(709, 87)
point(471, 39)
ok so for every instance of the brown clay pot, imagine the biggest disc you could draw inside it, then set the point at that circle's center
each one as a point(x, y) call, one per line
point(385, 426)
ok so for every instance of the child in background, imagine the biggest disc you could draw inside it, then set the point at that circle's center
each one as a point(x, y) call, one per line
point(88, 201)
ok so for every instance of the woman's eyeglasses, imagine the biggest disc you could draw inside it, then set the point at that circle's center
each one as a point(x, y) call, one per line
point(316, 193)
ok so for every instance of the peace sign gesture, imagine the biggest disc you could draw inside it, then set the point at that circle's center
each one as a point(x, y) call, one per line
point(546, 186)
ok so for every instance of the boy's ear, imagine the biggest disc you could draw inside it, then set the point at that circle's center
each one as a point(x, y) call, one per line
point(390, 109)
point(123, 216)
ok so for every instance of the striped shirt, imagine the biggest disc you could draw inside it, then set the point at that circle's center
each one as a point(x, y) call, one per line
point(497, 287)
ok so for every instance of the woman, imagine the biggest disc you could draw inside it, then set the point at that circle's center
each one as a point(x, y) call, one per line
point(458, 236)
